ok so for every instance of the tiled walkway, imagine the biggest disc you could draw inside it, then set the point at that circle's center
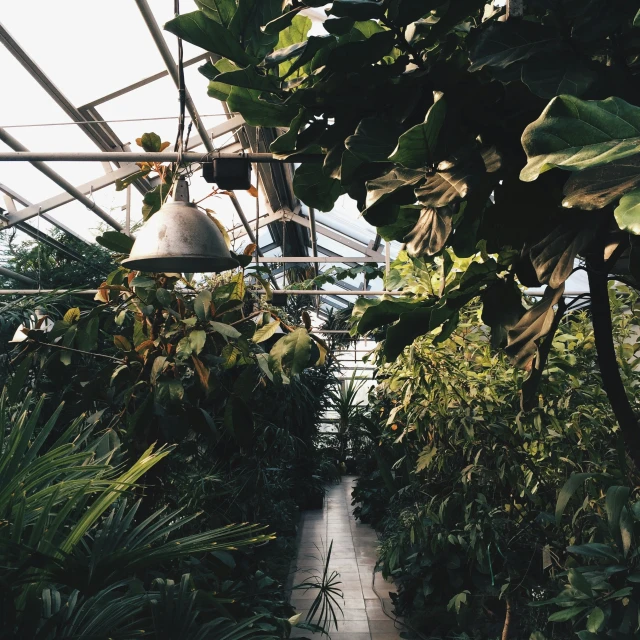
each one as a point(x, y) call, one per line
point(354, 557)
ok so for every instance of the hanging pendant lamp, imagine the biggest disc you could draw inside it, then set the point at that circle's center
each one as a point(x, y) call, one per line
point(180, 238)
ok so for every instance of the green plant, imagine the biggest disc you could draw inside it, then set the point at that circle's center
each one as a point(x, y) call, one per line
point(442, 119)
point(346, 407)
point(325, 603)
point(76, 562)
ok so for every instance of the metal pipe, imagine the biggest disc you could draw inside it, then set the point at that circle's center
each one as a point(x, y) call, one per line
point(293, 292)
point(20, 149)
point(23, 155)
point(314, 239)
point(16, 276)
point(322, 259)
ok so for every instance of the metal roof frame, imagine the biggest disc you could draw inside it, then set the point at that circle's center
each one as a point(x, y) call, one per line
point(299, 234)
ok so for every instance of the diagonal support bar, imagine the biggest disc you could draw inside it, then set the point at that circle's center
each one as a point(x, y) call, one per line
point(9, 140)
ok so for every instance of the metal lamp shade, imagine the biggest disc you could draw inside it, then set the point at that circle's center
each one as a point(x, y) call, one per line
point(179, 238)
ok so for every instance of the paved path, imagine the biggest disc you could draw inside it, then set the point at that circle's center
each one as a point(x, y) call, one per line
point(354, 557)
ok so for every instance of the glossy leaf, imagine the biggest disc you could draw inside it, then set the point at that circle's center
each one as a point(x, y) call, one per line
point(501, 44)
point(265, 332)
point(210, 35)
point(595, 620)
point(416, 147)
point(576, 134)
point(410, 325)
point(575, 481)
point(219, 10)
point(202, 305)
point(430, 233)
point(374, 139)
point(290, 355)
point(627, 213)
point(314, 188)
point(116, 241)
point(258, 112)
point(225, 330)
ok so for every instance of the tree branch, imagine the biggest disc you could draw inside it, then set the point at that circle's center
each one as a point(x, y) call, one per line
point(607, 362)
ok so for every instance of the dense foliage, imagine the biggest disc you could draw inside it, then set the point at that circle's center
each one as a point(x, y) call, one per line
point(443, 120)
point(486, 511)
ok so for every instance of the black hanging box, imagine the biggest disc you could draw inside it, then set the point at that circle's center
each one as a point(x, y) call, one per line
point(228, 173)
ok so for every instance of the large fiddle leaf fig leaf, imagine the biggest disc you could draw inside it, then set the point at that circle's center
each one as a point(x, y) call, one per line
point(353, 56)
point(404, 223)
point(554, 256)
point(502, 44)
point(374, 139)
point(248, 78)
point(431, 231)
point(292, 43)
point(600, 186)
point(116, 241)
point(247, 23)
point(357, 9)
point(394, 188)
point(258, 112)
point(290, 355)
point(286, 143)
point(555, 74)
point(452, 181)
point(373, 314)
point(576, 134)
point(416, 147)
point(282, 22)
point(501, 309)
point(198, 29)
point(627, 213)
point(314, 188)
point(534, 325)
point(410, 326)
point(219, 10)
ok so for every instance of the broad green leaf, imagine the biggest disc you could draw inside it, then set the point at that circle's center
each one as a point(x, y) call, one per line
point(566, 614)
point(411, 325)
point(202, 305)
point(430, 233)
point(197, 340)
point(382, 312)
point(600, 186)
point(426, 458)
point(290, 355)
point(499, 45)
point(248, 78)
point(293, 38)
point(627, 213)
point(314, 188)
point(355, 55)
point(116, 241)
point(357, 9)
point(416, 147)
point(374, 139)
point(594, 550)
point(218, 90)
point(579, 582)
point(393, 188)
point(258, 112)
point(169, 392)
point(265, 332)
point(247, 23)
point(576, 134)
point(151, 142)
point(17, 382)
point(219, 10)
point(398, 230)
point(615, 503)
point(164, 297)
point(575, 481)
point(595, 620)
point(87, 335)
point(278, 24)
point(286, 143)
point(225, 329)
point(210, 35)
point(555, 74)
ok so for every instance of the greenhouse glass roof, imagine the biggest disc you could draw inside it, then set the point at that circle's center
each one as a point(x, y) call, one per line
point(77, 88)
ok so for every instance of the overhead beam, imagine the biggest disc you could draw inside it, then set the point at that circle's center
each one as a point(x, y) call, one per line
point(7, 273)
point(152, 156)
point(9, 140)
point(11, 197)
point(140, 83)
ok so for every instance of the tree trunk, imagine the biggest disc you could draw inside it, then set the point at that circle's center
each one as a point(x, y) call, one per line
point(607, 362)
point(507, 621)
